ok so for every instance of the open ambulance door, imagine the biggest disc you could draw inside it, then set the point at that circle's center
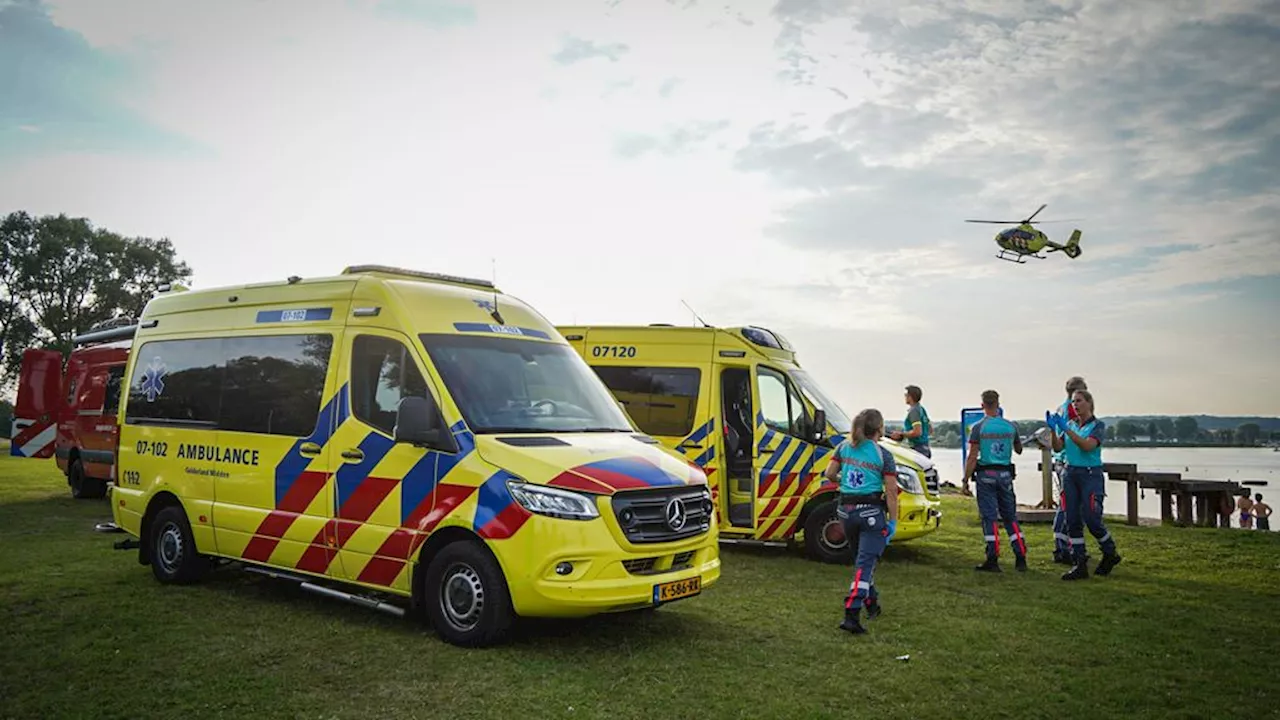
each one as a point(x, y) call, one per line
point(35, 417)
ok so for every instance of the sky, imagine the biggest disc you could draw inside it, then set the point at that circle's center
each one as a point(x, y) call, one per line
point(802, 165)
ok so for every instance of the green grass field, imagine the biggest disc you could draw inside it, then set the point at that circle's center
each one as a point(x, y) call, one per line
point(1188, 626)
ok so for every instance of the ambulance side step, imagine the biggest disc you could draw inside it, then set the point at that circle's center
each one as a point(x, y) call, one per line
point(308, 585)
point(752, 543)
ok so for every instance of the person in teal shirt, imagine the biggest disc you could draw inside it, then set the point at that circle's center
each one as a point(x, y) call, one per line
point(992, 443)
point(1086, 486)
point(916, 426)
point(868, 508)
point(1062, 541)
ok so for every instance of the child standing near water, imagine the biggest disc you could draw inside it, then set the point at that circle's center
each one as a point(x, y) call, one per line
point(1262, 512)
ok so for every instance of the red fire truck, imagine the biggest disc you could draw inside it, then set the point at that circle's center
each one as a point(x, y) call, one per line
point(70, 413)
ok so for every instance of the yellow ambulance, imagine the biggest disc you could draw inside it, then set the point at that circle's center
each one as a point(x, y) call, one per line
point(400, 440)
point(736, 402)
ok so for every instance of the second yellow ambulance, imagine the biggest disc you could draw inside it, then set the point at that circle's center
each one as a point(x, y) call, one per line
point(736, 402)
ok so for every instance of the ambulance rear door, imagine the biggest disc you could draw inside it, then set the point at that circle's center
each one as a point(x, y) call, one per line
point(35, 417)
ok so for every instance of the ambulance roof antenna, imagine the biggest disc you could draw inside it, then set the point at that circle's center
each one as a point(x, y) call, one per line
point(695, 314)
point(494, 271)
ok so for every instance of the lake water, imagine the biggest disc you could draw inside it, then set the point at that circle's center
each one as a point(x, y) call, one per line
point(1239, 464)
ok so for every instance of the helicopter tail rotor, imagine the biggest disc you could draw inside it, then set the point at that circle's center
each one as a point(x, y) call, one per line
point(1072, 248)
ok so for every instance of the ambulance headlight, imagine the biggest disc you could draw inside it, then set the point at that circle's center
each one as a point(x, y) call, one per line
point(553, 502)
point(909, 481)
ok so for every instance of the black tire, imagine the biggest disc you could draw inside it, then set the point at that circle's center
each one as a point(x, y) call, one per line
point(173, 549)
point(466, 596)
point(82, 486)
point(818, 545)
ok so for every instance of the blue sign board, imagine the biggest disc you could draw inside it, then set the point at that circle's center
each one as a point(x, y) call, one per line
point(968, 418)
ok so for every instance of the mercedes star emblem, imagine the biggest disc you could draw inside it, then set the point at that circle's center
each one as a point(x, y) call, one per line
point(675, 515)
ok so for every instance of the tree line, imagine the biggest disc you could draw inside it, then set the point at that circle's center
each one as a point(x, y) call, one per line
point(60, 276)
point(1160, 431)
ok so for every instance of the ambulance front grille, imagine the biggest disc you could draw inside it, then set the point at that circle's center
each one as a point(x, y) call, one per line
point(931, 481)
point(650, 565)
point(643, 514)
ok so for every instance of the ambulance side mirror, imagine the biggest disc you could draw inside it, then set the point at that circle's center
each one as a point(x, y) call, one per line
point(819, 425)
point(418, 422)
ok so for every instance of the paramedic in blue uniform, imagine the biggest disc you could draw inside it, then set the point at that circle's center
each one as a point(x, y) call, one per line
point(1086, 487)
point(992, 442)
point(916, 426)
point(868, 508)
point(1061, 541)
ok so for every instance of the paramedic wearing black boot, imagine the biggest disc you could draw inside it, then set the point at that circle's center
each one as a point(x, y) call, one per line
point(1086, 487)
point(868, 507)
point(992, 442)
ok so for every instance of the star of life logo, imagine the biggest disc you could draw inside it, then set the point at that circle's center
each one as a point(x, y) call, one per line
point(152, 379)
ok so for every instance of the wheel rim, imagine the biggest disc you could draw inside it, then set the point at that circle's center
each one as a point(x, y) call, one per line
point(831, 529)
point(462, 597)
point(169, 547)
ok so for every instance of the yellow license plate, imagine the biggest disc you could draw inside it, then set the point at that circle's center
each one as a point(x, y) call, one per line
point(676, 589)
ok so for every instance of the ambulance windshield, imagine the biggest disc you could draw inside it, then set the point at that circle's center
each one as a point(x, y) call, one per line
point(835, 414)
point(512, 385)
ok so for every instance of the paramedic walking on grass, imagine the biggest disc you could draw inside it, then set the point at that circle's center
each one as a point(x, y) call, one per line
point(868, 508)
point(992, 443)
point(1085, 485)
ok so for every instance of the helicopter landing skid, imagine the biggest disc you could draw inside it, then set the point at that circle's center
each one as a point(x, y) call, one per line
point(1017, 258)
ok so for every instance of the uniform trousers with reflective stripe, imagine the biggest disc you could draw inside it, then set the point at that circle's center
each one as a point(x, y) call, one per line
point(996, 499)
point(866, 523)
point(1061, 540)
point(1086, 488)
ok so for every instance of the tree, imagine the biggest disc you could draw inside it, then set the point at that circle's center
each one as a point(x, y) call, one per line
point(1111, 432)
point(1168, 430)
point(6, 418)
point(1248, 434)
point(1152, 430)
point(62, 276)
point(1186, 428)
point(1126, 429)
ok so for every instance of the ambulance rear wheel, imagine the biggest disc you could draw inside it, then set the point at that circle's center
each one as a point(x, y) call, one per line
point(82, 486)
point(824, 538)
point(466, 596)
point(173, 549)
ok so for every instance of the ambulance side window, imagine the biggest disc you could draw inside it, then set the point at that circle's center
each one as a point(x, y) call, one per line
point(663, 401)
point(383, 372)
point(111, 404)
point(177, 382)
point(781, 405)
point(273, 385)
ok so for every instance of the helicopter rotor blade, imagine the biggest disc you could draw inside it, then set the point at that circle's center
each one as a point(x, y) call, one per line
point(1037, 212)
point(995, 222)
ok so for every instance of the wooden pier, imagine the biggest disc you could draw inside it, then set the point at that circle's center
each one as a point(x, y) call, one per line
point(1207, 495)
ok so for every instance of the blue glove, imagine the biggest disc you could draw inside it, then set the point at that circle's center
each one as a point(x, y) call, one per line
point(1062, 424)
point(1048, 420)
point(893, 530)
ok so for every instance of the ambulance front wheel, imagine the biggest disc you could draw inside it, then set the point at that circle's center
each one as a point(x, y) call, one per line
point(173, 549)
point(467, 597)
point(824, 538)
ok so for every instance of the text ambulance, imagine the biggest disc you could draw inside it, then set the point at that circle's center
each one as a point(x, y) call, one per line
point(736, 402)
point(413, 435)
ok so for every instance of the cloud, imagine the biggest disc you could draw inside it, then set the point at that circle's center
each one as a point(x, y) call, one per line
point(673, 141)
point(439, 13)
point(61, 94)
point(575, 50)
point(1130, 115)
